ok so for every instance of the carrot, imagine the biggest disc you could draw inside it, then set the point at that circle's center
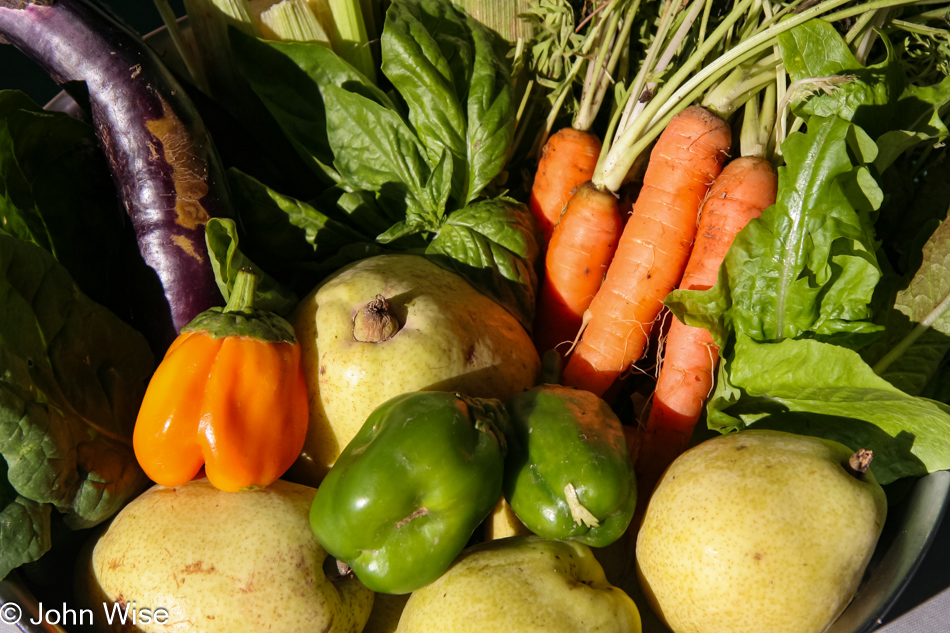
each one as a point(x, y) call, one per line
point(653, 249)
point(581, 247)
point(567, 161)
point(744, 189)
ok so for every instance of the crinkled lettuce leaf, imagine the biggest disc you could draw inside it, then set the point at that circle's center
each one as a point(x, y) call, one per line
point(72, 377)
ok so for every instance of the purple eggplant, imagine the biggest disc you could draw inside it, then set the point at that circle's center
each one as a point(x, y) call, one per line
point(164, 165)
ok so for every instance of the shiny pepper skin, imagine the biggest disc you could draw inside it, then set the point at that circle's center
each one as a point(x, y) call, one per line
point(229, 395)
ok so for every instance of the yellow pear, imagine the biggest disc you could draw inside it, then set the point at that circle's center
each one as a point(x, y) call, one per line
point(522, 584)
point(220, 561)
point(759, 531)
point(392, 324)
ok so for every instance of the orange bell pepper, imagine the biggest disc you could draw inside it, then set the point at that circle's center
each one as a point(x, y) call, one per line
point(230, 395)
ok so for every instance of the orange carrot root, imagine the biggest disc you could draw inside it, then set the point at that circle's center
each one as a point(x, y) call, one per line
point(567, 162)
point(746, 187)
point(653, 249)
point(581, 248)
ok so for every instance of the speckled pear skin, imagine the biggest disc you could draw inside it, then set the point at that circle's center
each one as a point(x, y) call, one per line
point(451, 338)
point(225, 561)
point(522, 584)
point(758, 531)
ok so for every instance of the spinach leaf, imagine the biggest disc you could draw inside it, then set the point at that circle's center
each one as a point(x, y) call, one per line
point(221, 237)
point(918, 326)
point(492, 244)
point(48, 162)
point(24, 527)
point(878, 98)
point(810, 387)
point(72, 376)
point(807, 265)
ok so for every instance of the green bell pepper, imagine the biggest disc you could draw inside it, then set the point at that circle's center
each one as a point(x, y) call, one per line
point(568, 473)
point(408, 491)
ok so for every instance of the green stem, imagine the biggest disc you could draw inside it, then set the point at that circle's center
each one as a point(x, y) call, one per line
point(673, 97)
point(243, 292)
point(898, 350)
point(597, 69)
point(619, 160)
point(184, 51)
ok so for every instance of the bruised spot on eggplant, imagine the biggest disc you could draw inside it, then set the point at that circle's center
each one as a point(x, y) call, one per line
point(22, 4)
point(188, 161)
point(186, 245)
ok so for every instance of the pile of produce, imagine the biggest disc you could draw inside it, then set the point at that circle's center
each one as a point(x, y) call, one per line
point(445, 315)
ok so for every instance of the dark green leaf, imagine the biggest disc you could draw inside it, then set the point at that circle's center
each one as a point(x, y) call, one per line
point(24, 527)
point(458, 88)
point(836, 396)
point(281, 230)
point(419, 69)
point(72, 376)
point(56, 191)
point(227, 259)
point(918, 327)
point(492, 245)
point(879, 98)
point(287, 77)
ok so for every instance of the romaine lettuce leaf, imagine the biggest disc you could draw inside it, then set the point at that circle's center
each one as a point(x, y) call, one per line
point(814, 388)
point(808, 264)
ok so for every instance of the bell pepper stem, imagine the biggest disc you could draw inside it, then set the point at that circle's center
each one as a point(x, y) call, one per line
point(243, 292)
point(579, 513)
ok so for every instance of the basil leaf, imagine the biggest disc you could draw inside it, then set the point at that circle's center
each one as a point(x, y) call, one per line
point(376, 151)
point(227, 259)
point(808, 264)
point(492, 244)
point(491, 112)
point(419, 69)
point(293, 238)
point(445, 66)
point(838, 397)
point(287, 77)
point(72, 377)
point(918, 326)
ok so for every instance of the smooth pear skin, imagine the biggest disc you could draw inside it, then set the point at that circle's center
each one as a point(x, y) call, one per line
point(450, 338)
point(522, 584)
point(758, 531)
point(232, 562)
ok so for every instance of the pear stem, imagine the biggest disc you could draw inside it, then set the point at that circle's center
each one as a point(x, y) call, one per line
point(859, 463)
point(375, 322)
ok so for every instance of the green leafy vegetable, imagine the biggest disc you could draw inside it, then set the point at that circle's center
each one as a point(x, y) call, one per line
point(491, 244)
point(425, 154)
point(878, 98)
point(285, 234)
point(227, 259)
point(843, 399)
point(287, 77)
point(918, 327)
point(56, 192)
point(72, 376)
point(24, 527)
point(808, 264)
